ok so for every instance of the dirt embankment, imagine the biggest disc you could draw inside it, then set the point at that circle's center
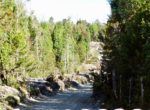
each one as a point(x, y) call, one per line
point(77, 99)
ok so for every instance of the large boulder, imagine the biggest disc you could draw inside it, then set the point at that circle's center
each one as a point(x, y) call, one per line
point(55, 86)
point(74, 83)
point(81, 79)
point(61, 85)
point(71, 82)
point(12, 100)
point(6, 91)
point(10, 95)
point(33, 89)
point(56, 82)
point(50, 78)
point(90, 78)
point(53, 78)
point(39, 87)
point(45, 89)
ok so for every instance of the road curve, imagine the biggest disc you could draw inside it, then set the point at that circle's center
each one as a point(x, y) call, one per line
point(79, 99)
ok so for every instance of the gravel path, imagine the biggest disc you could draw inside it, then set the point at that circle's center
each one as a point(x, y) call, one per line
point(79, 99)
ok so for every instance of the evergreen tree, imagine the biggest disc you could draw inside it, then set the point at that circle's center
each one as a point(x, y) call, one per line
point(124, 52)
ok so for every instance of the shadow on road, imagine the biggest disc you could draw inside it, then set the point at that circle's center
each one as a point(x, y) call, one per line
point(79, 99)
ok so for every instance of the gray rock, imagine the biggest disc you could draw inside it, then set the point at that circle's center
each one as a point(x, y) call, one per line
point(6, 91)
point(74, 84)
point(61, 85)
point(13, 100)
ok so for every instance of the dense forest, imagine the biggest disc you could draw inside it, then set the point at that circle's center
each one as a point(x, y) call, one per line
point(125, 76)
point(32, 48)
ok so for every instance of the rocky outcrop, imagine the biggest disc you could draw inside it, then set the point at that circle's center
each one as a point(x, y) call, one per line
point(81, 79)
point(61, 85)
point(56, 82)
point(74, 84)
point(49, 86)
point(61, 82)
point(36, 87)
point(6, 90)
point(9, 95)
point(13, 100)
point(89, 76)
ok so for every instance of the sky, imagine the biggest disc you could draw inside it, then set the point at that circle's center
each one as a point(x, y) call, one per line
point(88, 10)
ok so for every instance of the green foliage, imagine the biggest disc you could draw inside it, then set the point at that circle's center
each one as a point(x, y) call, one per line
point(30, 48)
point(95, 29)
point(12, 81)
point(126, 51)
point(59, 40)
point(82, 39)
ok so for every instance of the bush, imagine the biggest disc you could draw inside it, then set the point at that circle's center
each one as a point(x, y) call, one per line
point(12, 81)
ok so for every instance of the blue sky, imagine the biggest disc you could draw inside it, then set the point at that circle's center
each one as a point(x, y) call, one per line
point(89, 10)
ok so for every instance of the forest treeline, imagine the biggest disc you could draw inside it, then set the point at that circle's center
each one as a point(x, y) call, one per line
point(30, 48)
point(125, 74)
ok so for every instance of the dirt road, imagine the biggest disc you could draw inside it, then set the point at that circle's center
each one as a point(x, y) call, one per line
point(79, 99)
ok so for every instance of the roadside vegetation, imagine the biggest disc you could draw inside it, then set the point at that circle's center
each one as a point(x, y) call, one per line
point(36, 49)
point(125, 76)
point(30, 48)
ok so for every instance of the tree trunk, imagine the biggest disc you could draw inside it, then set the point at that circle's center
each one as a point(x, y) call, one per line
point(114, 83)
point(120, 89)
point(130, 90)
point(142, 90)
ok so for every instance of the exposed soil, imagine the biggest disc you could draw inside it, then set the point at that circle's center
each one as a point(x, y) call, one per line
point(77, 99)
